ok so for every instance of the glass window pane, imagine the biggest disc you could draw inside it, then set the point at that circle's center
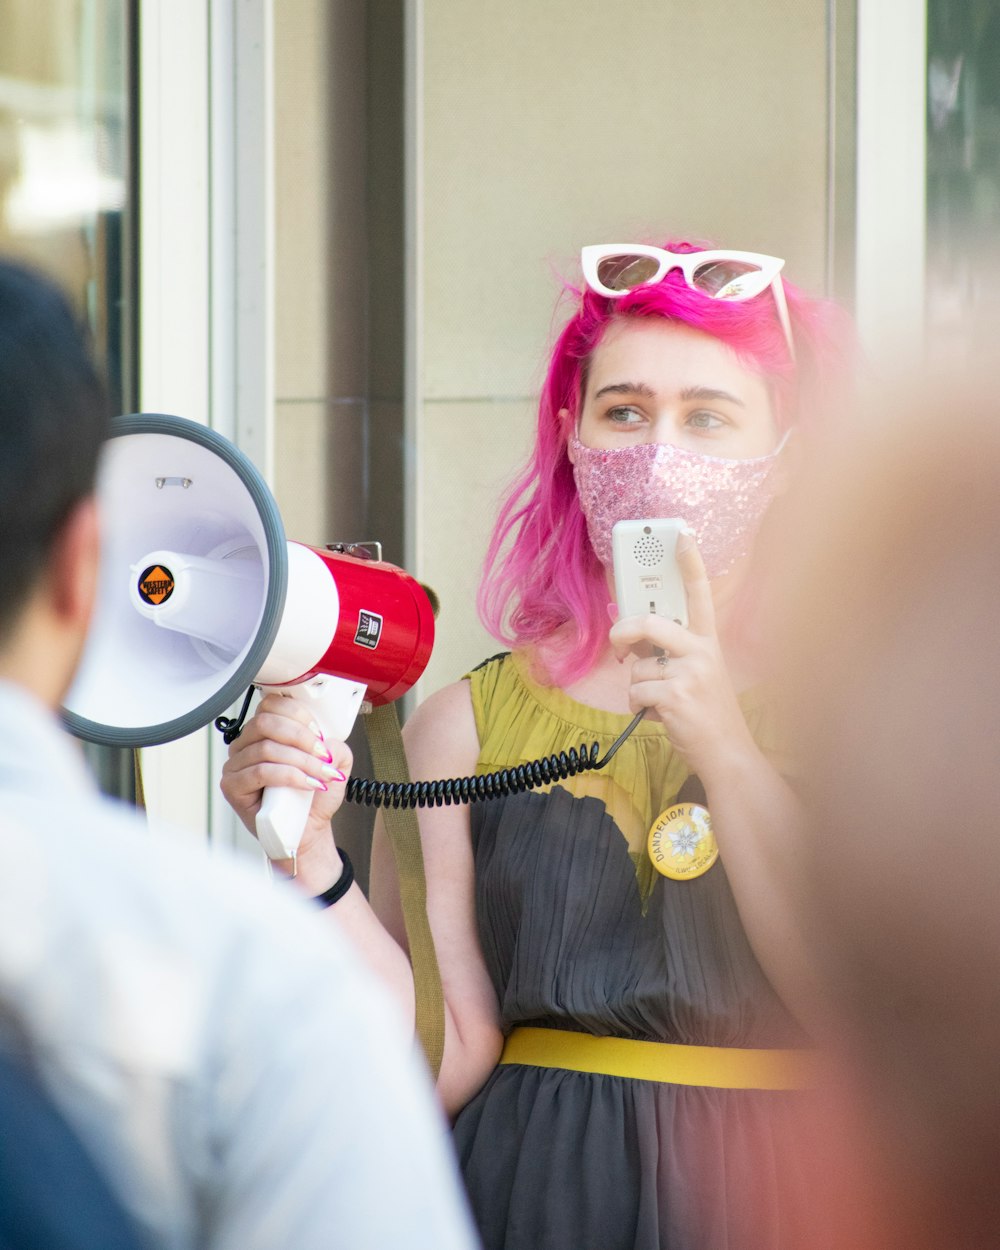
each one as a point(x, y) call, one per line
point(64, 159)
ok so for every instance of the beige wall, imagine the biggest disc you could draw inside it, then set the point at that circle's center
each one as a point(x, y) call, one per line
point(550, 125)
point(339, 257)
point(319, 266)
point(321, 258)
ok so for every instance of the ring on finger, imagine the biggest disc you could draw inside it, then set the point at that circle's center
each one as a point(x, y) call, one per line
point(663, 660)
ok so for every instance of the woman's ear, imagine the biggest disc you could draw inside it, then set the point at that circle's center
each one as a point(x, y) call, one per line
point(786, 469)
point(568, 423)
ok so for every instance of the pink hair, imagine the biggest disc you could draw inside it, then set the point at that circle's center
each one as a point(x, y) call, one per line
point(541, 574)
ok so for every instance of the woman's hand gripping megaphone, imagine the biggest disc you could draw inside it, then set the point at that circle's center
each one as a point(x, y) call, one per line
point(285, 776)
point(333, 704)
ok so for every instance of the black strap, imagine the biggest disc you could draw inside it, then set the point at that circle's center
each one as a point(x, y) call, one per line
point(340, 887)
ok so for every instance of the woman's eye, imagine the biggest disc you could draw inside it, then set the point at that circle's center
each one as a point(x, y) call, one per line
point(703, 420)
point(624, 416)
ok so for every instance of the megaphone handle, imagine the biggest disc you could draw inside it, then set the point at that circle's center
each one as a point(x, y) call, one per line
point(334, 703)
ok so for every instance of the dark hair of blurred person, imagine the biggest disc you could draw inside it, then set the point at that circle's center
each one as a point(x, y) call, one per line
point(54, 419)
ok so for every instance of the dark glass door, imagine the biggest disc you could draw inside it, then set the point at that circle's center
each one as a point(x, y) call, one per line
point(963, 178)
point(67, 202)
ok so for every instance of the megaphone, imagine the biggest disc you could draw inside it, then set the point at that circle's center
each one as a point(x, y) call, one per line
point(201, 596)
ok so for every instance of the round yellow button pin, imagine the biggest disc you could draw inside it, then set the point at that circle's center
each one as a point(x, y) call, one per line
point(681, 842)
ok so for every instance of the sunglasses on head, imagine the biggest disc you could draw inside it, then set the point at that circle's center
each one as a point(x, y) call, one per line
point(614, 269)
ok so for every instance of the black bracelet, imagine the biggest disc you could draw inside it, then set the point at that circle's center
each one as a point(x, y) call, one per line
point(340, 886)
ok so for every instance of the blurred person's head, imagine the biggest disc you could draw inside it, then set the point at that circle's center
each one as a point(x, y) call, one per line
point(542, 572)
point(53, 421)
point(894, 684)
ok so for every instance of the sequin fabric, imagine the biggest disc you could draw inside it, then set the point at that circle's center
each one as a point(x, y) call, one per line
point(723, 501)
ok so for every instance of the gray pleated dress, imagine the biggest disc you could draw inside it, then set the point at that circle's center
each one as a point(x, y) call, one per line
point(581, 933)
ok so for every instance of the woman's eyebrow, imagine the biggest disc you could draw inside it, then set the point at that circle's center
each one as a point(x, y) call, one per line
point(626, 388)
point(710, 393)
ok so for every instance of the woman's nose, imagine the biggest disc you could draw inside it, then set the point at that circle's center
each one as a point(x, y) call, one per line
point(662, 428)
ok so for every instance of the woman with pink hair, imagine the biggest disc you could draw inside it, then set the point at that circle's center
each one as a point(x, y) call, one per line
point(615, 947)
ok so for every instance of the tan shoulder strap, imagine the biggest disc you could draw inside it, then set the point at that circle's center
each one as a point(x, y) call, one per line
point(389, 760)
point(140, 789)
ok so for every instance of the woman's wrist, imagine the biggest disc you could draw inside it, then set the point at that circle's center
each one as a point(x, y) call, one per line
point(731, 762)
point(316, 868)
point(335, 892)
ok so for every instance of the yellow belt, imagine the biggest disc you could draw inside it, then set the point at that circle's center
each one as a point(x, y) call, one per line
point(722, 1067)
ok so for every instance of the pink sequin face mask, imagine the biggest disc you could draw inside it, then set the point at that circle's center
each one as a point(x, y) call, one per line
point(723, 501)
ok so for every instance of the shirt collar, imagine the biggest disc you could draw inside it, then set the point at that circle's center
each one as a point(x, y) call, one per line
point(35, 751)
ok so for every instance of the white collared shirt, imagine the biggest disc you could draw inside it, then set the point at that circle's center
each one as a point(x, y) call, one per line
point(239, 1078)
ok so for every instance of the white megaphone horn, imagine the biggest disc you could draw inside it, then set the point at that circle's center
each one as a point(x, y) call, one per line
point(201, 596)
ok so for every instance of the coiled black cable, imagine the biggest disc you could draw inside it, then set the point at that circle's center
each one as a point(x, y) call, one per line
point(477, 789)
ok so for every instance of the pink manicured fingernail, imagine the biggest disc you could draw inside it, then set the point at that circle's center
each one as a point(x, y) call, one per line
point(317, 784)
point(334, 774)
point(320, 749)
point(313, 725)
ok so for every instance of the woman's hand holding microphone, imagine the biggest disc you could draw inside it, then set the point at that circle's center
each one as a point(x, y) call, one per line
point(687, 686)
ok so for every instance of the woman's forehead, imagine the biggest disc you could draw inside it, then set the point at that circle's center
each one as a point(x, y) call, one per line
point(666, 355)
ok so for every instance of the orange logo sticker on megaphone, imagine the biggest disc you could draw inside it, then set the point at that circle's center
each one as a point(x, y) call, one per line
point(156, 585)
